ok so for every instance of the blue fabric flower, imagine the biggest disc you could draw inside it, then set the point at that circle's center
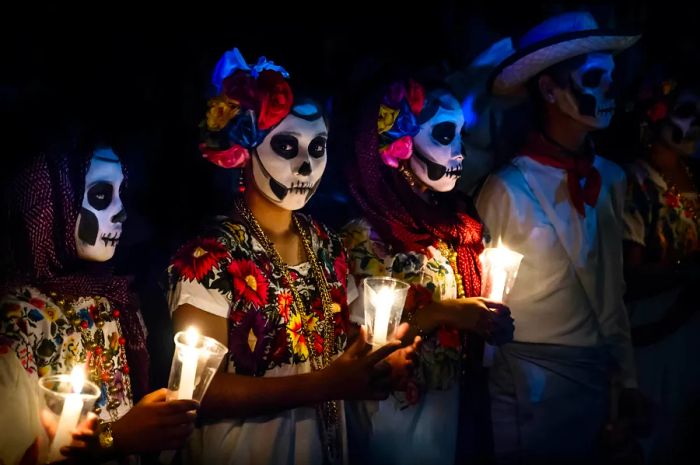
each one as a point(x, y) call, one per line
point(228, 64)
point(263, 64)
point(405, 124)
point(244, 131)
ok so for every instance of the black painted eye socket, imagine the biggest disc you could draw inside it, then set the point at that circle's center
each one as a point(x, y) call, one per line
point(592, 77)
point(100, 195)
point(444, 133)
point(317, 147)
point(285, 145)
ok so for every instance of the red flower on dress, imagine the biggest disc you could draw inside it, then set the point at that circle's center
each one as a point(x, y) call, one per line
point(196, 259)
point(448, 338)
point(248, 282)
point(275, 98)
point(672, 200)
point(340, 265)
point(38, 303)
point(284, 303)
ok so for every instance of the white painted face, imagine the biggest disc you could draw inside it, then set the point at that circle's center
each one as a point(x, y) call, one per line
point(99, 224)
point(437, 148)
point(681, 131)
point(588, 98)
point(289, 163)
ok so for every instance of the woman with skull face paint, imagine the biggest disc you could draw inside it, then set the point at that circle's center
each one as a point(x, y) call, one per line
point(560, 205)
point(271, 284)
point(662, 253)
point(408, 159)
point(65, 308)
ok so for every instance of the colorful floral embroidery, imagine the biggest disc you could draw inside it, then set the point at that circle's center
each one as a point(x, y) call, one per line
point(265, 327)
point(196, 259)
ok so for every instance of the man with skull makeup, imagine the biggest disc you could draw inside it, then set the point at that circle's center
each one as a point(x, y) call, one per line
point(561, 206)
point(408, 160)
point(271, 284)
point(64, 308)
point(662, 255)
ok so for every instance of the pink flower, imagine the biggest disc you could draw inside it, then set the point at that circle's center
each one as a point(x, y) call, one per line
point(234, 157)
point(400, 149)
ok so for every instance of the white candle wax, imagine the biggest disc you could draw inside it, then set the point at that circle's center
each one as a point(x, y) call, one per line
point(70, 415)
point(190, 357)
point(498, 284)
point(383, 302)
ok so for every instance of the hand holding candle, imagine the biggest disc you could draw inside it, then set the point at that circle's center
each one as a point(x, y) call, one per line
point(70, 397)
point(195, 362)
point(384, 299)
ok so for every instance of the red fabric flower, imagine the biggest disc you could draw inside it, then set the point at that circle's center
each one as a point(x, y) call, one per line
point(275, 98)
point(415, 97)
point(248, 282)
point(38, 303)
point(241, 87)
point(448, 338)
point(235, 156)
point(197, 258)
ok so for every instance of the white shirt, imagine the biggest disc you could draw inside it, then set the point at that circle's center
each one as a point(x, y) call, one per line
point(569, 289)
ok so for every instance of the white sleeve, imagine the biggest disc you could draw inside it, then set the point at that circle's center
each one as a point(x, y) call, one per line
point(195, 294)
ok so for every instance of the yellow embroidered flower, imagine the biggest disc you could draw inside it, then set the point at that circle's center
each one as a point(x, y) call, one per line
point(221, 110)
point(296, 333)
point(387, 117)
point(51, 313)
point(44, 370)
point(237, 231)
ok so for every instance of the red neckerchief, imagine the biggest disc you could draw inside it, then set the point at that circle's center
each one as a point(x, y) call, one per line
point(578, 166)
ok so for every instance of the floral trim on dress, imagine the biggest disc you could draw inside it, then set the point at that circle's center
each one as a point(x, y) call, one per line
point(265, 329)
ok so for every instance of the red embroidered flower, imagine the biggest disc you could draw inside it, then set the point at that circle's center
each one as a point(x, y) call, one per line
point(417, 296)
point(197, 258)
point(284, 303)
point(320, 232)
point(672, 200)
point(275, 98)
point(280, 347)
point(38, 303)
point(340, 265)
point(248, 282)
point(412, 393)
point(448, 338)
point(658, 111)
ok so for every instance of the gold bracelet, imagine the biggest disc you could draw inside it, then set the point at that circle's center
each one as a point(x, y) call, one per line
point(105, 436)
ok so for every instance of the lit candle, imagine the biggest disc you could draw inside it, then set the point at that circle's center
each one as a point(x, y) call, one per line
point(190, 357)
point(498, 284)
point(383, 302)
point(70, 415)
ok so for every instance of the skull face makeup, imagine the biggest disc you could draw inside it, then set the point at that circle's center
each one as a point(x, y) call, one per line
point(289, 163)
point(588, 98)
point(437, 151)
point(99, 223)
point(681, 131)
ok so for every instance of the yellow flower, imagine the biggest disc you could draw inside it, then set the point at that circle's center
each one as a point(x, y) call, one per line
point(44, 370)
point(387, 116)
point(221, 110)
point(51, 313)
point(296, 333)
point(237, 231)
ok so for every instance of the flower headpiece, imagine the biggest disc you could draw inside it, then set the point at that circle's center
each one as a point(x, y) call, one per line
point(249, 101)
point(397, 122)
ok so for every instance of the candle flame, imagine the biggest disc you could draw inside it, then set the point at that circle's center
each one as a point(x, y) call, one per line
point(191, 336)
point(77, 378)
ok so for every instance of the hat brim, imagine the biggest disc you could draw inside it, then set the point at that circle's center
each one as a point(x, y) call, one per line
point(510, 76)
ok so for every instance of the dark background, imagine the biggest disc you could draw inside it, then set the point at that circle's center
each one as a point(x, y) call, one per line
point(143, 73)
